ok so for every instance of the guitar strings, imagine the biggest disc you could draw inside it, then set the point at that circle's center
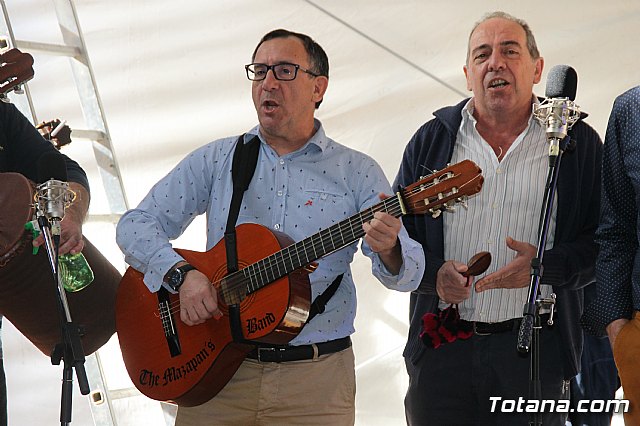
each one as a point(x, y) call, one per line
point(273, 261)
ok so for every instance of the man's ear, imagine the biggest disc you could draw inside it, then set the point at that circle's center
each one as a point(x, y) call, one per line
point(320, 85)
point(538, 73)
point(466, 75)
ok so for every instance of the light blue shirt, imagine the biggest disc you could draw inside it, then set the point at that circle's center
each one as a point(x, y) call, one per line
point(300, 194)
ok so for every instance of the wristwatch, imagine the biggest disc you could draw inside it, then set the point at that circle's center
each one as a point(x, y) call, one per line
point(175, 277)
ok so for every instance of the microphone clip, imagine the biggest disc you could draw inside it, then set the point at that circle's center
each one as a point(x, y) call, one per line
point(558, 115)
point(51, 199)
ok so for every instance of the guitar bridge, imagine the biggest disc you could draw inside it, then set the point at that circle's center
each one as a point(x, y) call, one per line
point(168, 322)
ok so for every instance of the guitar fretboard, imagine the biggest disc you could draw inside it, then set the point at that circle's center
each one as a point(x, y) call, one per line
point(312, 248)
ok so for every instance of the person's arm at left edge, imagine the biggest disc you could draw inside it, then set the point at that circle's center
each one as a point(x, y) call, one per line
point(27, 146)
point(71, 225)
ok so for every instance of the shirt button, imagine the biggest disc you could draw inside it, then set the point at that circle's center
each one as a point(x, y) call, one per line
point(276, 226)
point(279, 193)
point(498, 171)
point(281, 161)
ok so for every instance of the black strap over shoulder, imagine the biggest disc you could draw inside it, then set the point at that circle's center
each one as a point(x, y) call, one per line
point(245, 159)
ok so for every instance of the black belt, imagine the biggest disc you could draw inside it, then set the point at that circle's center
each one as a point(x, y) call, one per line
point(485, 328)
point(284, 353)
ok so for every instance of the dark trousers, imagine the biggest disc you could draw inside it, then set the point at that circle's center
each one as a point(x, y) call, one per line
point(454, 384)
point(598, 379)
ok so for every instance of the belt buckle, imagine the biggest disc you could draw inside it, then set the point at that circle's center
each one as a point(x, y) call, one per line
point(476, 332)
point(260, 349)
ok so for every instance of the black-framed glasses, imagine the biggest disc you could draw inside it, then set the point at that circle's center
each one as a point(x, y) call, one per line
point(283, 71)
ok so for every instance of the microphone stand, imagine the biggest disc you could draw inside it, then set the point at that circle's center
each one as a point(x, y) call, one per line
point(529, 333)
point(70, 349)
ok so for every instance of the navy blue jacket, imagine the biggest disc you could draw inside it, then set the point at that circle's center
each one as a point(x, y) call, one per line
point(618, 264)
point(568, 267)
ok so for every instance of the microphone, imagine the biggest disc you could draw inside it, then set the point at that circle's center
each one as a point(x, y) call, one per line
point(53, 193)
point(558, 112)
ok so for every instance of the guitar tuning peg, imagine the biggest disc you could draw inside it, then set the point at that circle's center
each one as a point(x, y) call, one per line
point(449, 206)
point(463, 202)
point(435, 213)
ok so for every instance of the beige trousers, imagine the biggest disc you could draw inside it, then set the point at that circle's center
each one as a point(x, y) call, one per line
point(626, 352)
point(309, 392)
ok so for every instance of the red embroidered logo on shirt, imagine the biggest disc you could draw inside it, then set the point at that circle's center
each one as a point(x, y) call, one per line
point(309, 203)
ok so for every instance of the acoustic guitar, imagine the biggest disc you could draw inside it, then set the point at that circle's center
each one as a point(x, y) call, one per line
point(270, 293)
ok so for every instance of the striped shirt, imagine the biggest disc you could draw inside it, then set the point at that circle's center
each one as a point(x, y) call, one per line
point(509, 205)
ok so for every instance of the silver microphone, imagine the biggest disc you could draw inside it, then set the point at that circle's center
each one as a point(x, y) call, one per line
point(53, 195)
point(558, 112)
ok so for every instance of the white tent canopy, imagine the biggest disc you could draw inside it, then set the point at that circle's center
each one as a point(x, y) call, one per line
point(171, 78)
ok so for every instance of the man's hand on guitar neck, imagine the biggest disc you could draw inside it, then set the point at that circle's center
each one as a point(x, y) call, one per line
point(198, 299)
point(381, 234)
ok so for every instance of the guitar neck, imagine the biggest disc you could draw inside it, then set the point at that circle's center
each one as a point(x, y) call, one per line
point(316, 246)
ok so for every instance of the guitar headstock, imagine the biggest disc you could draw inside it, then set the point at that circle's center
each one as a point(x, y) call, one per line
point(55, 131)
point(443, 189)
point(16, 68)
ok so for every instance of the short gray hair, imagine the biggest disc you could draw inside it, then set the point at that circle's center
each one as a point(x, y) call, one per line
point(531, 40)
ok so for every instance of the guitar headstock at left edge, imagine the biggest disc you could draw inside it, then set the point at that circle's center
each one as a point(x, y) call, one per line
point(16, 68)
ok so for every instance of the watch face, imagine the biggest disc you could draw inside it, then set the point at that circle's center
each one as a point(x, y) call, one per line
point(176, 278)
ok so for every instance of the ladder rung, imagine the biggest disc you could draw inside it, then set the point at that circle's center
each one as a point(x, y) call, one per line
point(51, 49)
point(93, 135)
point(124, 393)
point(108, 218)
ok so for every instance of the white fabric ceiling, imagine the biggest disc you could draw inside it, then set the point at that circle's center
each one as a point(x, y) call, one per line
point(171, 78)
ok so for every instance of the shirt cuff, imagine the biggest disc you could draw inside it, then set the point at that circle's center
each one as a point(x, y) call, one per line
point(411, 271)
point(159, 265)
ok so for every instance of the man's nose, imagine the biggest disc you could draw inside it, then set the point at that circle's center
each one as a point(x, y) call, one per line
point(496, 62)
point(270, 81)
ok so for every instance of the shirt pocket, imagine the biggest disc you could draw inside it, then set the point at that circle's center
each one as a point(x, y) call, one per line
point(325, 207)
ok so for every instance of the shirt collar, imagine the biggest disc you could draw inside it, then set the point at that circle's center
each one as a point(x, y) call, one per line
point(467, 112)
point(318, 140)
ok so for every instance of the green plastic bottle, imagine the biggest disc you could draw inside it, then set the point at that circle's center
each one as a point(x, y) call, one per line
point(74, 271)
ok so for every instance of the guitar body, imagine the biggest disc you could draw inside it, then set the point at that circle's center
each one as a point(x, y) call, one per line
point(208, 356)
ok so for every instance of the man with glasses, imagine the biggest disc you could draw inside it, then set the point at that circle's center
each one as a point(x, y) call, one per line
point(303, 183)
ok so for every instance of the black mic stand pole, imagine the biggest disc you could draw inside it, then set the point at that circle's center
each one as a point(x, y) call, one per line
point(529, 333)
point(70, 349)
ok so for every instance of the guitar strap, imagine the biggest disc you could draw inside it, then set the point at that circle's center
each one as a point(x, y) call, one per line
point(318, 305)
point(245, 160)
